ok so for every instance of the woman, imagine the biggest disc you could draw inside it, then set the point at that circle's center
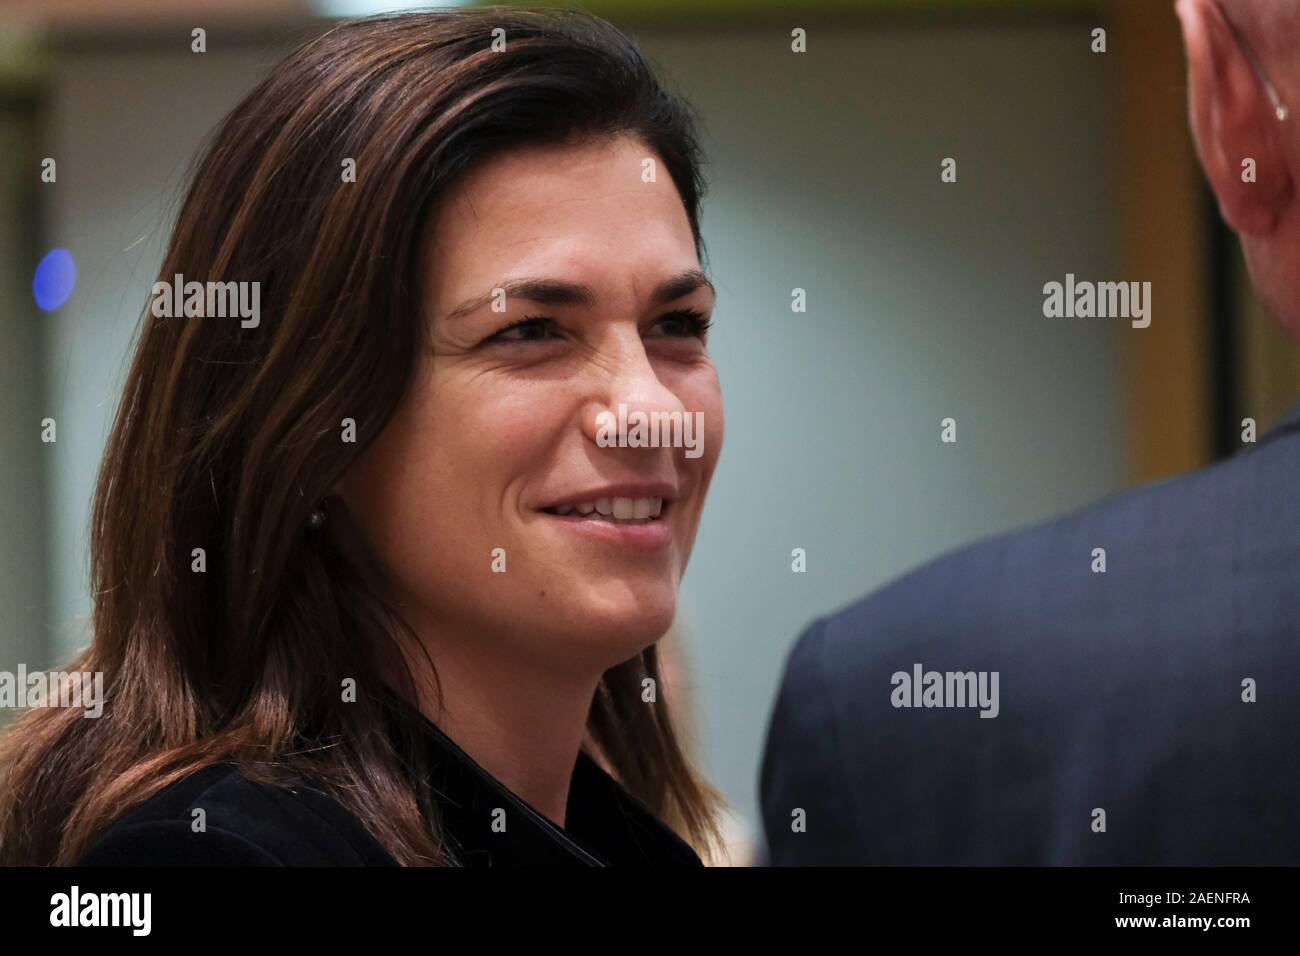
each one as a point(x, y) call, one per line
point(372, 584)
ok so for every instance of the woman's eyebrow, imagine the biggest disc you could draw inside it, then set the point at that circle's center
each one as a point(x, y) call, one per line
point(546, 291)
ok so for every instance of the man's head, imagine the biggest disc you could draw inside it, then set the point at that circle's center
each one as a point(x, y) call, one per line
point(1243, 77)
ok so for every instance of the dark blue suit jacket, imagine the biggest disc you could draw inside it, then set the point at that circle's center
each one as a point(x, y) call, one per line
point(1119, 691)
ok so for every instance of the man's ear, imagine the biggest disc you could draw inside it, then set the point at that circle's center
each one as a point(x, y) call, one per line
point(1233, 123)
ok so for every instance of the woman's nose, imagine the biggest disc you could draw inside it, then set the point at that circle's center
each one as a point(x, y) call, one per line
point(626, 383)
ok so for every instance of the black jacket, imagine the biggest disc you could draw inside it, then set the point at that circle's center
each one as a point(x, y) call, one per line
point(250, 824)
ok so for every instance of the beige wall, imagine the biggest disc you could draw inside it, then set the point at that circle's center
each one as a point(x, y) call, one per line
point(1162, 239)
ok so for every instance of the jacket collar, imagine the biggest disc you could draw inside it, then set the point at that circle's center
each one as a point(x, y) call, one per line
point(484, 823)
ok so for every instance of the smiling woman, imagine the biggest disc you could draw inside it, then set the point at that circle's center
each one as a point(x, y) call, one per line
point(433, 644)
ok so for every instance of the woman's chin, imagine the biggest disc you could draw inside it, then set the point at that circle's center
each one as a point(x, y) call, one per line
point(618, 629)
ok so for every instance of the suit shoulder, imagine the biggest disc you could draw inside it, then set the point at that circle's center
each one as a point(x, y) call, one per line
point(218, 816)
point(1195, 533)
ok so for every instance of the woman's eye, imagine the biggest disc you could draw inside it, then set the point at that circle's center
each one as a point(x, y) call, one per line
point(684, 323)
point(530, 329)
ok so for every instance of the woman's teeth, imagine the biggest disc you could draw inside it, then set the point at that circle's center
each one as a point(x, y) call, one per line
point(632, 510)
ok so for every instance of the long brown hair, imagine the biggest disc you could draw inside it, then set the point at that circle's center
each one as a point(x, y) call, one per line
point(226, 437)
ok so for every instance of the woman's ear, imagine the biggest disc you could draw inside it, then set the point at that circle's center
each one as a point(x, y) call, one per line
point(339, 489)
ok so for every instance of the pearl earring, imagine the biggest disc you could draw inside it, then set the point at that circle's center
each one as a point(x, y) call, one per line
point(315, 519)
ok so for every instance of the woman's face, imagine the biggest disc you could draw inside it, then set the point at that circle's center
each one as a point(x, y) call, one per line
point(497, 445)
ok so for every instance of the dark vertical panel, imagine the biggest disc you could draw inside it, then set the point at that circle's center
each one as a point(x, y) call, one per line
point(1222, 355)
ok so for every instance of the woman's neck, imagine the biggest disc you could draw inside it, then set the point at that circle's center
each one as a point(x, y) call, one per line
point(520, 722)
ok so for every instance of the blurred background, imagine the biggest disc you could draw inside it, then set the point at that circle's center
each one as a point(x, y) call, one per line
point(924, 299)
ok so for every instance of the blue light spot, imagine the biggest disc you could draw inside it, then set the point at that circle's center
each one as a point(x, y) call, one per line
point(55, 276)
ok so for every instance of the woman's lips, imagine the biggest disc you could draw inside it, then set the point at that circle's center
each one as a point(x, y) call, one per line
point(618, 507)
point(647, 533)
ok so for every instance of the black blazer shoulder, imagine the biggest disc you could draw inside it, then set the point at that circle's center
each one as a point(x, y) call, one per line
point(296, 822)
point(244, 823)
